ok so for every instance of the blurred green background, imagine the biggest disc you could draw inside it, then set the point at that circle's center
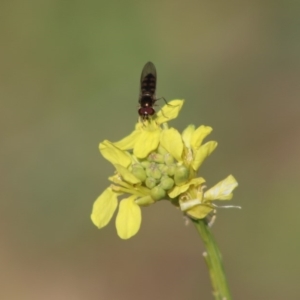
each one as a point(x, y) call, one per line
point(69, 79)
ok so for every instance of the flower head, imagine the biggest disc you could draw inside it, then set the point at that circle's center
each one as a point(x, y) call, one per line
point(156, 163)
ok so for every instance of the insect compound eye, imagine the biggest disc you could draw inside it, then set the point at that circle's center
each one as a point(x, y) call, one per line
point(146, 111)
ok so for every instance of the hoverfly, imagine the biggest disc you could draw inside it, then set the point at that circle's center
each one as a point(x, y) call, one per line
point(147, 97)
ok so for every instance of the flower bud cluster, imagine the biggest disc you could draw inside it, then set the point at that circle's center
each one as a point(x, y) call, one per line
point(160, 172)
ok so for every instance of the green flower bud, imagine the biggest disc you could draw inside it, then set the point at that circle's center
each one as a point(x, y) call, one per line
point(159, 158)
point(156, 157)
point(171, 170)
point(164, 177)
point(144, 201)
point(158, 193)
point(169, 159)
point(153, 171)
point(145, 164)
point(181, 175)
point(139, 172)
point(137, 166)
point(150, 168)
point(150, 157)
point(156, 174)
point(150, 182)
point(166, 183)
point(161, 150)
point(163, 168)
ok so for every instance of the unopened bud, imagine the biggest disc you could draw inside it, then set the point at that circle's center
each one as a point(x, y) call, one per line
point(171, 170)
point(155, 157)
point(150, 182)
point(156, 174)
point(158, 193)
point(139, 172)
point(153, 171)
point(169, 159)
point(150, 168)
point(145, 164)
point(181, 175)
point(144, 201)
point(158, 158)
point(163, 168)
point(166, 183)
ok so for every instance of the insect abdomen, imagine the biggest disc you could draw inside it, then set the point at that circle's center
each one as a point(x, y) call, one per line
point(148, 85)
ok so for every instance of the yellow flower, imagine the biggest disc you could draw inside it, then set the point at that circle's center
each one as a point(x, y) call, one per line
point(145, 138)
point(128, 220)
point(131, 173)
point(195, 151)
point(158, 163)
point(190, 152)
point(198, 205)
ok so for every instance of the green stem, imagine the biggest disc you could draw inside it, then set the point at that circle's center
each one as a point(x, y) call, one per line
point(213, 260)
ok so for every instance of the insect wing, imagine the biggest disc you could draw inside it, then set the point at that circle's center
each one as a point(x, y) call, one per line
point(149, 68)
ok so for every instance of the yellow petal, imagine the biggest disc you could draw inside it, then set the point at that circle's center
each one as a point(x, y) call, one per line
point(170, 139)
point(177, 190)
point(114, 154)
point(187, 135)
point(222, 190)
point(202, 153)
point(129, 141)
point(147, 142)
point(199, 135)
point(200, 211)
point(129, 218)
point(127, 175)
point(104, 208)
point(169, 111)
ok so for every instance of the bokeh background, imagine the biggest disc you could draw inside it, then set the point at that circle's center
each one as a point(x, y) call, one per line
point(69, 79)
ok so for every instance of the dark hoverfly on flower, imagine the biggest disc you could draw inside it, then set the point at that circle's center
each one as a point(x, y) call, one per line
point(147, 96)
